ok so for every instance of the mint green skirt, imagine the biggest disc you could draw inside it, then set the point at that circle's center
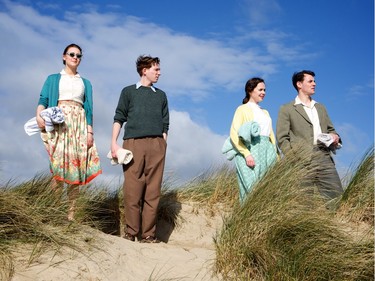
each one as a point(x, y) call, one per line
point(264, 154)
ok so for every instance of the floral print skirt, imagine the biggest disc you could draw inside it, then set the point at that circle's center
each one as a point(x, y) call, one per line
point(70, 159)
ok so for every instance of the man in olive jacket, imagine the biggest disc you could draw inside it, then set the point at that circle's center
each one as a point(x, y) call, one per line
point(300, 122)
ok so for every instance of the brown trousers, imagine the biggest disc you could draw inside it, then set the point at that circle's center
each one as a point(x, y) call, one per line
point(142, 184)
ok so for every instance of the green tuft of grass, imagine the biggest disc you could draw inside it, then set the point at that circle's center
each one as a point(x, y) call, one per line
point(215, 186)
point(32, 214)
point(6, 264)
point(357, 202)
point(285, 231)
point(100, 208)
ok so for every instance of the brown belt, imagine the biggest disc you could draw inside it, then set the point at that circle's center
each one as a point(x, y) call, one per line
point(69, 102)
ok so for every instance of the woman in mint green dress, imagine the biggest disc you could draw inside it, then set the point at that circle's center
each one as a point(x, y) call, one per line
point(252, 137)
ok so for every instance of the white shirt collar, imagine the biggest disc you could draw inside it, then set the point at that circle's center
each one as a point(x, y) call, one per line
point(297, 100)
point(63, 72)
point(139, 85)
point(254, 105)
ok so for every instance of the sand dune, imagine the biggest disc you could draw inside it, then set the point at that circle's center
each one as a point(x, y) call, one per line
point(188, 255)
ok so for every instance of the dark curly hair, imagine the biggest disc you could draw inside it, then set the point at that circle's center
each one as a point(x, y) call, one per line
point(146, 62)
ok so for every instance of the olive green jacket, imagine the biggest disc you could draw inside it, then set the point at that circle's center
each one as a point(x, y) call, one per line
point(294, 126)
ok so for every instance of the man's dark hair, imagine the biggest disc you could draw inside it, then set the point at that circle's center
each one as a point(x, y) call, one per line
point(299, 76)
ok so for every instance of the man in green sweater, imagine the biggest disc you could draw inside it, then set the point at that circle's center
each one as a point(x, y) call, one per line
point(144, 110)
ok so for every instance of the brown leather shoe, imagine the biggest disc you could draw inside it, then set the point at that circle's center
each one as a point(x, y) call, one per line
point(129, 237)
point(150, 239)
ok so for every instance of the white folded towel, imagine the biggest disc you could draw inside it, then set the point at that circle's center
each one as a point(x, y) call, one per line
point(124, 156)
point(52, 115)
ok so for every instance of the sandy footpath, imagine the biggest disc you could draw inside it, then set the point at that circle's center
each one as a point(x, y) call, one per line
point(189, 254)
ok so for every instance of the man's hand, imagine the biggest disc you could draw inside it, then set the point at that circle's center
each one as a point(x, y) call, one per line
point(335, 138)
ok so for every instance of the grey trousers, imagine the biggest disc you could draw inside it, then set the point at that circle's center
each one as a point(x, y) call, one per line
point(324, 174)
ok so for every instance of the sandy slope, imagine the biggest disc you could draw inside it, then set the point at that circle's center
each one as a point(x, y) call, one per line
point(188, 255)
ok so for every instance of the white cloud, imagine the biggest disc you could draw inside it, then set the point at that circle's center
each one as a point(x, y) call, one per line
point(194, 71)
point(261, 12)
point(110, 65)
point(352, 136)
point(192, 148)
point(357, 92)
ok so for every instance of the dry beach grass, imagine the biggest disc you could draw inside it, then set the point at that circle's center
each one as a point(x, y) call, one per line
point(282, 232)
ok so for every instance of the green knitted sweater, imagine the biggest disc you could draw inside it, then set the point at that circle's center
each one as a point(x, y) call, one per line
point(144, 111)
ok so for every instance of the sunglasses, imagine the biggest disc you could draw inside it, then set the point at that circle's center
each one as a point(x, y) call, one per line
point(79, 56)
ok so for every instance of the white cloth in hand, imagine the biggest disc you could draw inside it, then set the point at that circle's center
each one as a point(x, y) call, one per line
point(52, 115)
point(124, 156)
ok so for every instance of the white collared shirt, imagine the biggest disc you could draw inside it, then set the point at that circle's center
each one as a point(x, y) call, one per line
point(71, 87)
point(312, 113)
point(261, 118)
point(140, 85)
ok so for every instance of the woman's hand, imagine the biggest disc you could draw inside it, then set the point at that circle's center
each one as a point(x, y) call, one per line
point(40, 121)
point(90, 140)
point(250, 161)
point(90, 136)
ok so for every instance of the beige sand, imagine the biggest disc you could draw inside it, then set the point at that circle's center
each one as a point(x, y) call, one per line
point(188, 255)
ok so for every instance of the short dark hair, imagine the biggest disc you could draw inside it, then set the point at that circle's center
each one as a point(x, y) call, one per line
point(299, 76)
point(146, 62)
point(69, 46)
point(251, 84)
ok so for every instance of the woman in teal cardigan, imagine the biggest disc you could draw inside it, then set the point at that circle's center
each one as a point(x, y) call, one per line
point(73, 156)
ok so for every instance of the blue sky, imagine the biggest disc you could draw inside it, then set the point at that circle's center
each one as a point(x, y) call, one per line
point(208, 50)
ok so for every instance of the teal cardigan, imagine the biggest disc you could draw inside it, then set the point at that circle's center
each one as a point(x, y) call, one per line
point(49, 95)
